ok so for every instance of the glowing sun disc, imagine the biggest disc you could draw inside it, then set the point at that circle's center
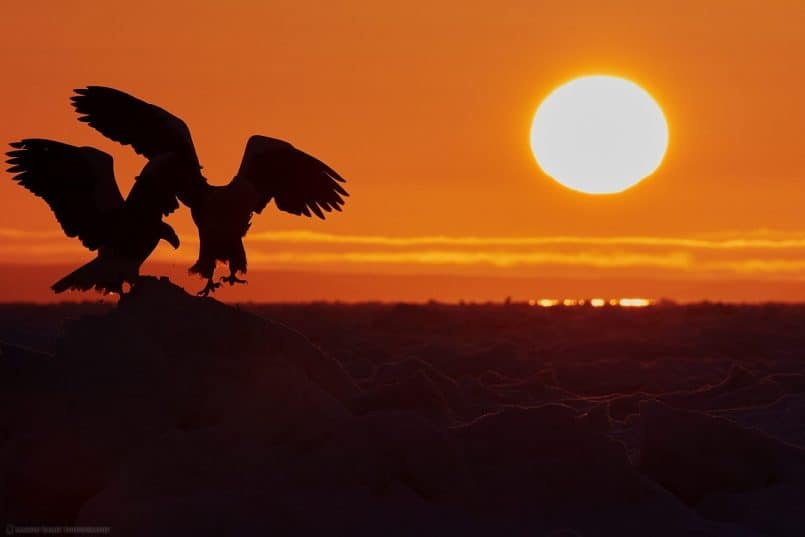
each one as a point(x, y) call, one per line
point(599, 134)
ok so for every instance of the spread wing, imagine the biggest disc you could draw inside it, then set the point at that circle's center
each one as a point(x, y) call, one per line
point(154, 191)
point(298, 183)
point(78, 183)
point(149, 129)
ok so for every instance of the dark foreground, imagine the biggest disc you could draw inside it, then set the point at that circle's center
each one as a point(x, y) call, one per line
point(173, 415)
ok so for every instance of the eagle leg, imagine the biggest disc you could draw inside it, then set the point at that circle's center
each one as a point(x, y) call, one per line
point(232, 279)
point(209, 288)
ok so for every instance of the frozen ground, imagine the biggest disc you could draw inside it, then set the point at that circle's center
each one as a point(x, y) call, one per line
point(176, 415)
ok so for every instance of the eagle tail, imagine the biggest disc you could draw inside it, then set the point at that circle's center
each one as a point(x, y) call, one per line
point(97, 274)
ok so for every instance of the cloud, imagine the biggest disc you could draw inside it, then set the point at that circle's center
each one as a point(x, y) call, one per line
point(20, 234)
point(762, 253)
point(760, 239)
point(784, 242)
point(497, 259)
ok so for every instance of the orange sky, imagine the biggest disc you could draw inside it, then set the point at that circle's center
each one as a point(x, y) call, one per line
point(425, 108)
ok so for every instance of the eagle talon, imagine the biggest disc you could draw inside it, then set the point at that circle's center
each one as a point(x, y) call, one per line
point(209, 288)
point(232, 279)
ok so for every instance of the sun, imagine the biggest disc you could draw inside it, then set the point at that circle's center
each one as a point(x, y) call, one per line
point(599, 134)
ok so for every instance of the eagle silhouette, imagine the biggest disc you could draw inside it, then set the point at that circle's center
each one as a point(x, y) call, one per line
point(78, 183)
point(270, 169)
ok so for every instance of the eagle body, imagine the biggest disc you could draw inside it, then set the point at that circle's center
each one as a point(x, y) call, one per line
point(223, 216)
point(78, 184)
point(119, 262)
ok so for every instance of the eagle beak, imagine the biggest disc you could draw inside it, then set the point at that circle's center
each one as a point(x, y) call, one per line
point(170, 236)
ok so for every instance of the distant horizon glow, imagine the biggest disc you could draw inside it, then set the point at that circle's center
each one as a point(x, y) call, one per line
point(631, 302)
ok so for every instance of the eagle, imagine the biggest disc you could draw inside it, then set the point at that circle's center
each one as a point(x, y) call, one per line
point(271, 169)
point(78, 183)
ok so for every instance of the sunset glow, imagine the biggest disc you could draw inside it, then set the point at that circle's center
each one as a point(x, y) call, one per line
point(593, 302)
point(447, 201)
point(634, 302)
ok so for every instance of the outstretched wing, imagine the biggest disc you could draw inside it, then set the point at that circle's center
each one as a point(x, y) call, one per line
point(78, 183)
point(298, 183)
point(154, 191)
point(149, 129)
